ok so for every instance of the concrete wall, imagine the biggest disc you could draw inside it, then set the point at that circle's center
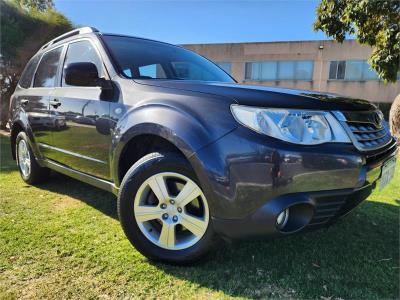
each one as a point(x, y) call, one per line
point(240, 53)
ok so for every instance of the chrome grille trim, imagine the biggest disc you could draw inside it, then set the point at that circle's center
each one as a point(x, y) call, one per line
point(367, 130)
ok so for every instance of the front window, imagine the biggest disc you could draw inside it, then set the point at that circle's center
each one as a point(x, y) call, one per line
point(82, 51)
point(144, 59)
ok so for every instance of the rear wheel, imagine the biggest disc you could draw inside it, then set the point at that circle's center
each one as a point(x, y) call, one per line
point(163, 210)
point(29, 169)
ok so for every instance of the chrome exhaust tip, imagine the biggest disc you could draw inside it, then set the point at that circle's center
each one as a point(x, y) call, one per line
point(282, 219)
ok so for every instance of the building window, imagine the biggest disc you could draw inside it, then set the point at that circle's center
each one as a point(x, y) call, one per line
point(355, 70)
point(280, 70)
point(226, 66)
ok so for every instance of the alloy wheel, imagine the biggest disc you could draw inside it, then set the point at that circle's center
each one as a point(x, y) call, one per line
point(171, 211)
point(24, 158)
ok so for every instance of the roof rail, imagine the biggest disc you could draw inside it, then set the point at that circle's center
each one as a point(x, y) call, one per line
point(68, 34)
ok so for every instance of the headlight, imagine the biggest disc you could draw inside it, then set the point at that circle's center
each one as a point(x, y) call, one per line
point(292, 125)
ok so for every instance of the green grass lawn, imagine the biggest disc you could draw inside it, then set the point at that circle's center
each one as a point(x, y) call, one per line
point(63, 240)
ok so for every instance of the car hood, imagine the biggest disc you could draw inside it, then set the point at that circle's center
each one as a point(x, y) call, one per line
point(264, 96)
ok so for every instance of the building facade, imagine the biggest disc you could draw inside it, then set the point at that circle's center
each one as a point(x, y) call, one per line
point(325, 66)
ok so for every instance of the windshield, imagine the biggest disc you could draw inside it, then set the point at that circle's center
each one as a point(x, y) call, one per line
point(144, 59)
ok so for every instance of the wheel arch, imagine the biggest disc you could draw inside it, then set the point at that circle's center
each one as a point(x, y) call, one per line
point(164, 127)
point(20, 122)
point(141, 145)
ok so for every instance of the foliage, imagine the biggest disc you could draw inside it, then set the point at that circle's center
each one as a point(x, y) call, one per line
point(375, 23)
point(40, 5)
point(23, 31)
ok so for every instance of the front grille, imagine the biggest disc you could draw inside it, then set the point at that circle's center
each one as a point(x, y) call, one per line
point(381, 154)
point(369, 136)
point(367, 130)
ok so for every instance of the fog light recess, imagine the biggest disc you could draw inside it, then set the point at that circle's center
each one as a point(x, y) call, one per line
point(294, 218)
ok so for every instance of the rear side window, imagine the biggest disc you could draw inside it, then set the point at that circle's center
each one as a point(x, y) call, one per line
point(82, 51)
point(29, 71)
point(47, 71)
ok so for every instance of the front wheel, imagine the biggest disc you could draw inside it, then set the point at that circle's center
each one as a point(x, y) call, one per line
point(163, 210)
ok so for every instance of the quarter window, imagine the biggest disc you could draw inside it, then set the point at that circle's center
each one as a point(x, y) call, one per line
point(82, 51)
point(47, 71)
point(280, 70)
point(27, 75)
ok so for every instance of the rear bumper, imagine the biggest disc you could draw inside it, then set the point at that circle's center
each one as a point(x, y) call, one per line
point(249, 179)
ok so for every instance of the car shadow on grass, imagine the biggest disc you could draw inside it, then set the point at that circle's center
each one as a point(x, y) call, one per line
point(103, 201)
point(355, 258)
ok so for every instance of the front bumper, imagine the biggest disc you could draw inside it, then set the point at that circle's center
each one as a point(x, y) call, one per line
point(249, 179)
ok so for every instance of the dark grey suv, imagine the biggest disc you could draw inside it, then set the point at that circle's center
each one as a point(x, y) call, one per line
point(191, 154)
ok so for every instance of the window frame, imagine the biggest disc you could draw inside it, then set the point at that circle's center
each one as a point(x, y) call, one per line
point(64, 56)
point(58, 68)
point(65, 44)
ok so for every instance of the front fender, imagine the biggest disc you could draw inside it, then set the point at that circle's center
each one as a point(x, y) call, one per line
point(188, 131)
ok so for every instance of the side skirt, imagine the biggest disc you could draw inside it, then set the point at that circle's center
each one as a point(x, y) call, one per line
point(97, 182)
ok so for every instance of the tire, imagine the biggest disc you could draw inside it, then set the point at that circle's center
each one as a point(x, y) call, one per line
point(29, 169)
point(148, 237)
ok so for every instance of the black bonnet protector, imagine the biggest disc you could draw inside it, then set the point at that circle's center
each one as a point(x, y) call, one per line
point(264, 96)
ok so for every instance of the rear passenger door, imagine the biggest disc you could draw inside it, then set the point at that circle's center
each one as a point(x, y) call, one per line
point(35, 100)
point(77, 143)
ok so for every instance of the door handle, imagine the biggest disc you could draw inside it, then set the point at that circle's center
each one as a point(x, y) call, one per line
point(24, 101)
point(55, 103)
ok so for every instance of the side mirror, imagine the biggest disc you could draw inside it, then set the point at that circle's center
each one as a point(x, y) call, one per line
point(81, 74)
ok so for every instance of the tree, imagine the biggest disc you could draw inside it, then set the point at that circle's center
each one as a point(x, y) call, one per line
point(40, 5)
point(375, 23)
point(24, 29)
